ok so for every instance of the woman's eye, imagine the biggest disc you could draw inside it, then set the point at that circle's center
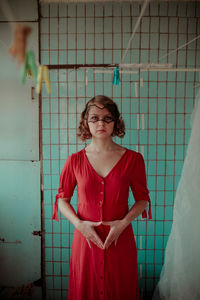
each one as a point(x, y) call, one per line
point(94, 118)
point(108, 119)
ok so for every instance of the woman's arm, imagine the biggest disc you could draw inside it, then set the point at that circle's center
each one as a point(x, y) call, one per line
point(85, 227)
point(137, 208)
point(68, 211)
point(118, 226)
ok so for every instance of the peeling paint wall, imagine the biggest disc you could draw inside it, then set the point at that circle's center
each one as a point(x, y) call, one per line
point(20, 214)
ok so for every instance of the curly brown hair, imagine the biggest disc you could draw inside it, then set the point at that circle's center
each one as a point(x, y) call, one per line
point(119, 127)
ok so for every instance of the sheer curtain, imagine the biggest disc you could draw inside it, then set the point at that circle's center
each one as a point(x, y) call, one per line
point(180, 276)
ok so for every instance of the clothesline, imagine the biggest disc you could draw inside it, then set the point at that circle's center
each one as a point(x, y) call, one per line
point(108, 68)
point(182, 46)
point(150, 67)
point(134, 30)
point(104, 68)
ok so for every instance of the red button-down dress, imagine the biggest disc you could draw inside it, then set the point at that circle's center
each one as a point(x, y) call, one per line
point(96, 274)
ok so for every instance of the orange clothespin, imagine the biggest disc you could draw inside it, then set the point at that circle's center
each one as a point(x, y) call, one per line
point(43, 74)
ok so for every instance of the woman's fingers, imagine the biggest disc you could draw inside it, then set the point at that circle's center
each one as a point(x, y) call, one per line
point(116, 228)
point(109, 242)
point(97, 244)
point(92, 235)
point(97, 240)
point(88, 243)
point(110, 238)
point(107, 223)
point(95, 223)
point(87, 229)
point(116, 241)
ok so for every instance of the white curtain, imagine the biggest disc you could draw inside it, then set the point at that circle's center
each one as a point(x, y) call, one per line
point(180, 275)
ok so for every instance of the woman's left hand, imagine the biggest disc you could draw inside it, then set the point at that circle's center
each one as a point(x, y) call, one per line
point(116, 228)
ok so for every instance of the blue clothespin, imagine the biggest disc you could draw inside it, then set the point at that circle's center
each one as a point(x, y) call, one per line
point(116, 76)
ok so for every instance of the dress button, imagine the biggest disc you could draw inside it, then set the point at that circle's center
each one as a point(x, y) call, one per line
point(101, 262)
point(102, 182)
point(101, 277)
point(101, 293)
point(101, 192)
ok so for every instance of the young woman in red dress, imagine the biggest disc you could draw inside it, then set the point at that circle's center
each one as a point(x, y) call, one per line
point(103, 262)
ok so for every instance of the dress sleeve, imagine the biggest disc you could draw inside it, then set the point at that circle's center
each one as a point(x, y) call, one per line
point(67, 185)
point(139, 183)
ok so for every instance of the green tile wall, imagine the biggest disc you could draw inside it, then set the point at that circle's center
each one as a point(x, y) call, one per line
point(96, 34)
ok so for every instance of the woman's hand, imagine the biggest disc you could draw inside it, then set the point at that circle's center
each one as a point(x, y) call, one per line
point(88, 231)
point(116, 228)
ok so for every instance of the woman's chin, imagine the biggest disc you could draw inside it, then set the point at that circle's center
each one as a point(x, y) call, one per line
point(102, 135)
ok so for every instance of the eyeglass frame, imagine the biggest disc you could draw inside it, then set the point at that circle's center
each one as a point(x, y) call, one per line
point(102, 119)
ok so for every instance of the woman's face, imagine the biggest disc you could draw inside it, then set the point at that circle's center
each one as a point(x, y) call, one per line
point(100, 121)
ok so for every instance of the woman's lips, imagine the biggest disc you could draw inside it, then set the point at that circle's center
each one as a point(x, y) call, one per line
point(101, 130)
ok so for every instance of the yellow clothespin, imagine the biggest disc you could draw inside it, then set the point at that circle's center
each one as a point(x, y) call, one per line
point(43, 74)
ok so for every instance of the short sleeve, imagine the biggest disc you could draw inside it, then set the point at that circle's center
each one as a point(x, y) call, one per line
point(139, 183)
point(67, 184)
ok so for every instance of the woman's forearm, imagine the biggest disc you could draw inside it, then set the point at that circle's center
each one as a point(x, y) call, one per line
point(85, 227)
point(68, 211)
point(137, 208)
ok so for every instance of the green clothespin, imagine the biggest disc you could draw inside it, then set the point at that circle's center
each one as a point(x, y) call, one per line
point(116, 76)
point(30, 67)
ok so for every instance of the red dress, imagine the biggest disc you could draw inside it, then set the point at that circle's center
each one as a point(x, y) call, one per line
point(97, 274)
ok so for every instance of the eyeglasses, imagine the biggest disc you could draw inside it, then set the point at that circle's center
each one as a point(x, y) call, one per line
point(95, 119)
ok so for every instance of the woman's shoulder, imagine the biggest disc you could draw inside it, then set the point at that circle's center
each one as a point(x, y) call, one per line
point(135, 155)
point(132, 152)
point(74, 155)
point(132, 155)
point(77, 155)
point(74, 159)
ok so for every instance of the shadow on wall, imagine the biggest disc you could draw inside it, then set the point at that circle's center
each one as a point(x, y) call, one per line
point(32, 291)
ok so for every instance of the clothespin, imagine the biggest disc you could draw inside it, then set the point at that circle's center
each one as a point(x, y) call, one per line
point(30, 67)
point(43, 74)
point(116, 76)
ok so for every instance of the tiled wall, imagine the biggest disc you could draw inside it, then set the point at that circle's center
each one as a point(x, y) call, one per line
point(156, 107)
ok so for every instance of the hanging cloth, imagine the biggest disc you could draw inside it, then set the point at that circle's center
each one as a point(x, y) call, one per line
point(180, 275)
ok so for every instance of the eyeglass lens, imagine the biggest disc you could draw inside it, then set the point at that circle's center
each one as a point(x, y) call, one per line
point(106, 119)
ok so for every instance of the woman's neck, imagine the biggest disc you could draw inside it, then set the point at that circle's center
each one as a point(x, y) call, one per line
point(101, 145)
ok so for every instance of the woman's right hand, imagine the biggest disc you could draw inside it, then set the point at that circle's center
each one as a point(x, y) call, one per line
point(88, 231)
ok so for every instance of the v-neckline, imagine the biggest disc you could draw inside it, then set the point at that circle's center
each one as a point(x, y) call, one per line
point(110, 170)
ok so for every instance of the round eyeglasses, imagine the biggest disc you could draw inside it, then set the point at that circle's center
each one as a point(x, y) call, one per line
point(95, 119)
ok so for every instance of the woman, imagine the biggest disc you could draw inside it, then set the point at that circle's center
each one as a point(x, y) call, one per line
point(103, 263)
